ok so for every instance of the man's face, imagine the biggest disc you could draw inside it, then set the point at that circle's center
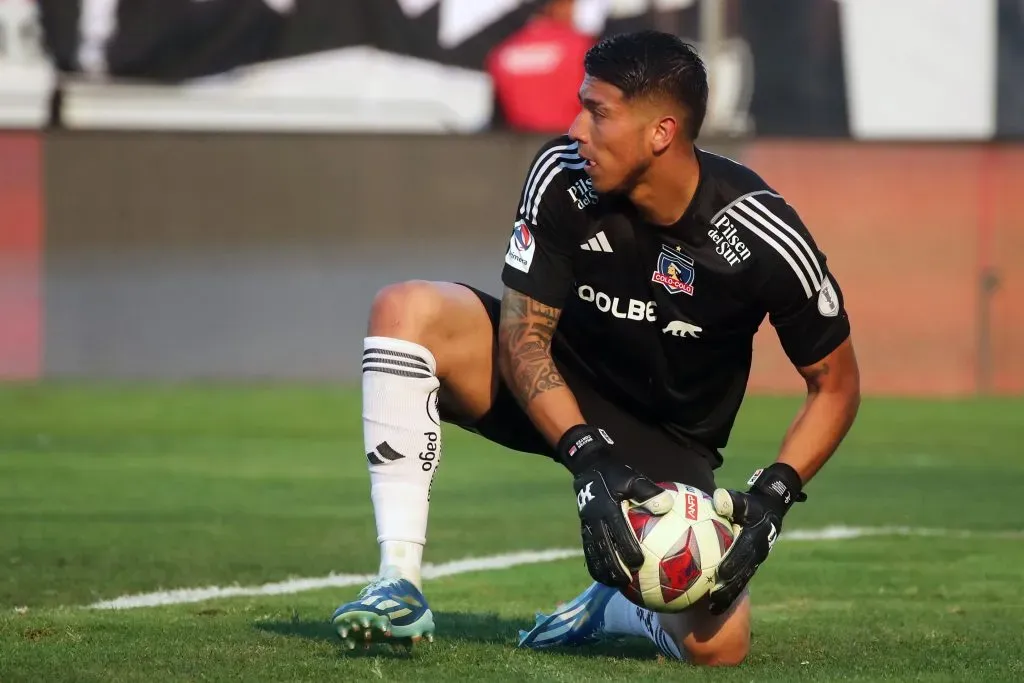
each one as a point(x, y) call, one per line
point(612, 136)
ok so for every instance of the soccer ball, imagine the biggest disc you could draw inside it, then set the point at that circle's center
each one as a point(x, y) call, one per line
point(682, 549)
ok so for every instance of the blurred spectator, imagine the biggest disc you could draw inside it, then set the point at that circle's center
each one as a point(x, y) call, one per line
point(537, 71)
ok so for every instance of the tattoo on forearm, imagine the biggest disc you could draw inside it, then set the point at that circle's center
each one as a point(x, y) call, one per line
point(525, 331)
point(815, 375)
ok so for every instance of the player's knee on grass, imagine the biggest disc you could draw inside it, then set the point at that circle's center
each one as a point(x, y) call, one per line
point(712, 640)
point(723, 651)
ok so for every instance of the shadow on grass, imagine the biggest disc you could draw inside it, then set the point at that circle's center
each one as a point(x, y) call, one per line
point(454, 627)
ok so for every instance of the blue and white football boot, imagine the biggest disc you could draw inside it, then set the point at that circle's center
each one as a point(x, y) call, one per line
point(578, 622)
point(389, 609)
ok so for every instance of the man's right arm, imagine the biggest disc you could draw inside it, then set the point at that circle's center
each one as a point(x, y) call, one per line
point(538, 277)
point(525, 331)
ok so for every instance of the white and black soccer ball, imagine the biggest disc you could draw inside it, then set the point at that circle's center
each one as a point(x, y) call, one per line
point(682, 550)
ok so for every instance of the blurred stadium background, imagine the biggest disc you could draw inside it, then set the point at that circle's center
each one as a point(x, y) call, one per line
point(213, 190)
point(198, 189)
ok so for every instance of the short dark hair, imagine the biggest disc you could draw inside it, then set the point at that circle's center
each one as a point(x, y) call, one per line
point(653, 64)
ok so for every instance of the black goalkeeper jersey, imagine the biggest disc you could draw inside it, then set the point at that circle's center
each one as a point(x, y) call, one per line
point(662, 318)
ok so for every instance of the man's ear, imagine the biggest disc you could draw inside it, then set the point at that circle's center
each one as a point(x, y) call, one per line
point(664, 131)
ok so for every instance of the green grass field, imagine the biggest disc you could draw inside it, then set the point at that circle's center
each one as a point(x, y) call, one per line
point(107, 491)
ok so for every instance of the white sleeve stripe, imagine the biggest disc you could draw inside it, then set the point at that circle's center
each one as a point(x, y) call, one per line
point(542, 164)
point(800, 274)
point(796, 235)
point(547, 181)
point(740, 199)
point(536, 189)
point(784, 239)
point(536, 168)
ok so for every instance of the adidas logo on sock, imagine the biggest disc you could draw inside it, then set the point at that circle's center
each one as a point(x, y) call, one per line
point(383, 454)
point(597, 243)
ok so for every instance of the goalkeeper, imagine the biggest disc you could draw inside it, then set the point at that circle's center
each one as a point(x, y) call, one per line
point(638, 270)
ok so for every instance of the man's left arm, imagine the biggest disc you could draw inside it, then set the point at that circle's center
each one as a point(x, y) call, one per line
point(833, 398)
point(806, 307)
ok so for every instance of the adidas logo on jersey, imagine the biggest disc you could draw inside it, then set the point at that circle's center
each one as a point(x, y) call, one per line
point(598, 243)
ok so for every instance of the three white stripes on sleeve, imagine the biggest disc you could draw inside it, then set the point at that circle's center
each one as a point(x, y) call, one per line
point(776, 233)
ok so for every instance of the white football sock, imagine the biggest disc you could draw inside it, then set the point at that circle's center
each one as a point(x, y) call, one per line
point(623, 618)
point(402, 436)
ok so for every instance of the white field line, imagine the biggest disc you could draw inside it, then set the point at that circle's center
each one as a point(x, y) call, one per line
point(490, 563)
point(429, 571)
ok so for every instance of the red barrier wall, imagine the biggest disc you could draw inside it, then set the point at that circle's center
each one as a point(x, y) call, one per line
point(21, 228)
point(908, 230)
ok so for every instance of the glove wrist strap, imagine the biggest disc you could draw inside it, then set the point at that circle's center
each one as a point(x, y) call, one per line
point(780, 483)
point(581, 447)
